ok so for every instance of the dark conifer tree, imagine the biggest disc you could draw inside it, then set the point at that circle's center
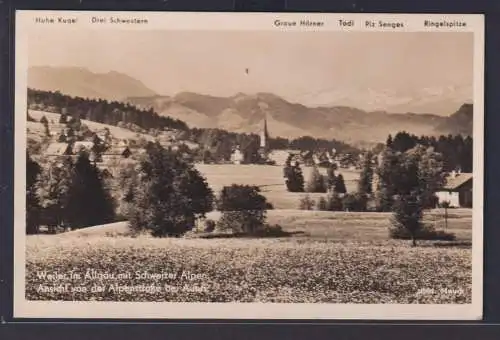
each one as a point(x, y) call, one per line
point(366, 176)
point(89, 202)
point(339, 186)
point(33, 170)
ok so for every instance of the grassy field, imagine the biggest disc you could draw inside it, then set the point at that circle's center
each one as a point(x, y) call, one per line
point(269, 179)
point(339, 257)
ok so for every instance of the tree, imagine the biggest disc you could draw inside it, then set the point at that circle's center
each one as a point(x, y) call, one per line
point(44, 120)
point(387, 175)
point(366, 176)
point(45, 123)
point(33, 171)
point(98, 148)
point(53, 189)
point(169, 196)
point(322, 204)
point(127, 182)
point(89, 203)
point(70, 136)
point(331, 178)
point(431, 175)
point(316, 182)
point(403, 141)
point(408, 215)
point(243, 209)
point(294, 179)
point(355, 202)
point(420, 175)
point(383, 200)
point(250, 151)
point(63, 118)
point(334, 202)
point(388, 143)
point(62, 138)
point(339, 186)
point(306, 203)
point(207, 156)
point(74, 123)
point(33, 146)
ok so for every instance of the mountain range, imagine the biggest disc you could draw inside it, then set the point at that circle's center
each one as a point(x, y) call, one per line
point(245, 112)
point(80, 82)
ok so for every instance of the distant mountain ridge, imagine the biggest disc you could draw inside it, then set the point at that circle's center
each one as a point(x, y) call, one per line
point(440, 100)
point(244, 113)
point(81, 82)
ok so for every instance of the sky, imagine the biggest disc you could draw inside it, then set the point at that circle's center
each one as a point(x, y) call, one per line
point(307, 67)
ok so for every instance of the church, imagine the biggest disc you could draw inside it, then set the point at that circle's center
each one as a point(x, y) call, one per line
point(237, 156)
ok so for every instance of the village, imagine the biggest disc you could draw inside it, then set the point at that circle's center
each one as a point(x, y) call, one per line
point(111, 148)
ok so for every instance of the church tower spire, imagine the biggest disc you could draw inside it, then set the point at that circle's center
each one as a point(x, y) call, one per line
point(264, 135)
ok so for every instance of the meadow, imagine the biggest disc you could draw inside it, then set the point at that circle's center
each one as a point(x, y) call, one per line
point(337, 258)
point(269, 179)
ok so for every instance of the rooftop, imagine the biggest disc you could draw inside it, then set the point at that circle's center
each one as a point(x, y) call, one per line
point(454, 181)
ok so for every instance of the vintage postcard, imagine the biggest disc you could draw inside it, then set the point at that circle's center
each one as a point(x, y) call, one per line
point(248, 165)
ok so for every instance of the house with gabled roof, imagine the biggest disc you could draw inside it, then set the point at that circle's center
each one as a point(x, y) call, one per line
point(58, 149)
point(457, 190)
point(82, 146)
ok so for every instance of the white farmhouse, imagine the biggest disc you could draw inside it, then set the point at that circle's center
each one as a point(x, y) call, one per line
point(237, 156)
point(457, 191)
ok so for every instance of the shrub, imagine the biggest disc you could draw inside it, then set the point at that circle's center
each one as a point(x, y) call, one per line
point(334, 202)
point(269, 206)
point(354, 202)
point(272, 231)
point(426, 232)
point(322, 204)
point(306, 203)
point(243, 209)
point(209, 226)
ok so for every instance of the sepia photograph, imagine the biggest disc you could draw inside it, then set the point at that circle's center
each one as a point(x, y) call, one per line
point(307, 162)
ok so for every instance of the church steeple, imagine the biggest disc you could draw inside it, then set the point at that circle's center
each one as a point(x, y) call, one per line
point(264, 135)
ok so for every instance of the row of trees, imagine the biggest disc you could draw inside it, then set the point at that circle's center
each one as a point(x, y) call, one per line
point(102, 111)
point(294, 179)
point(456, 151)
point(55, 194)
point(335, 202)
point(218, 145)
